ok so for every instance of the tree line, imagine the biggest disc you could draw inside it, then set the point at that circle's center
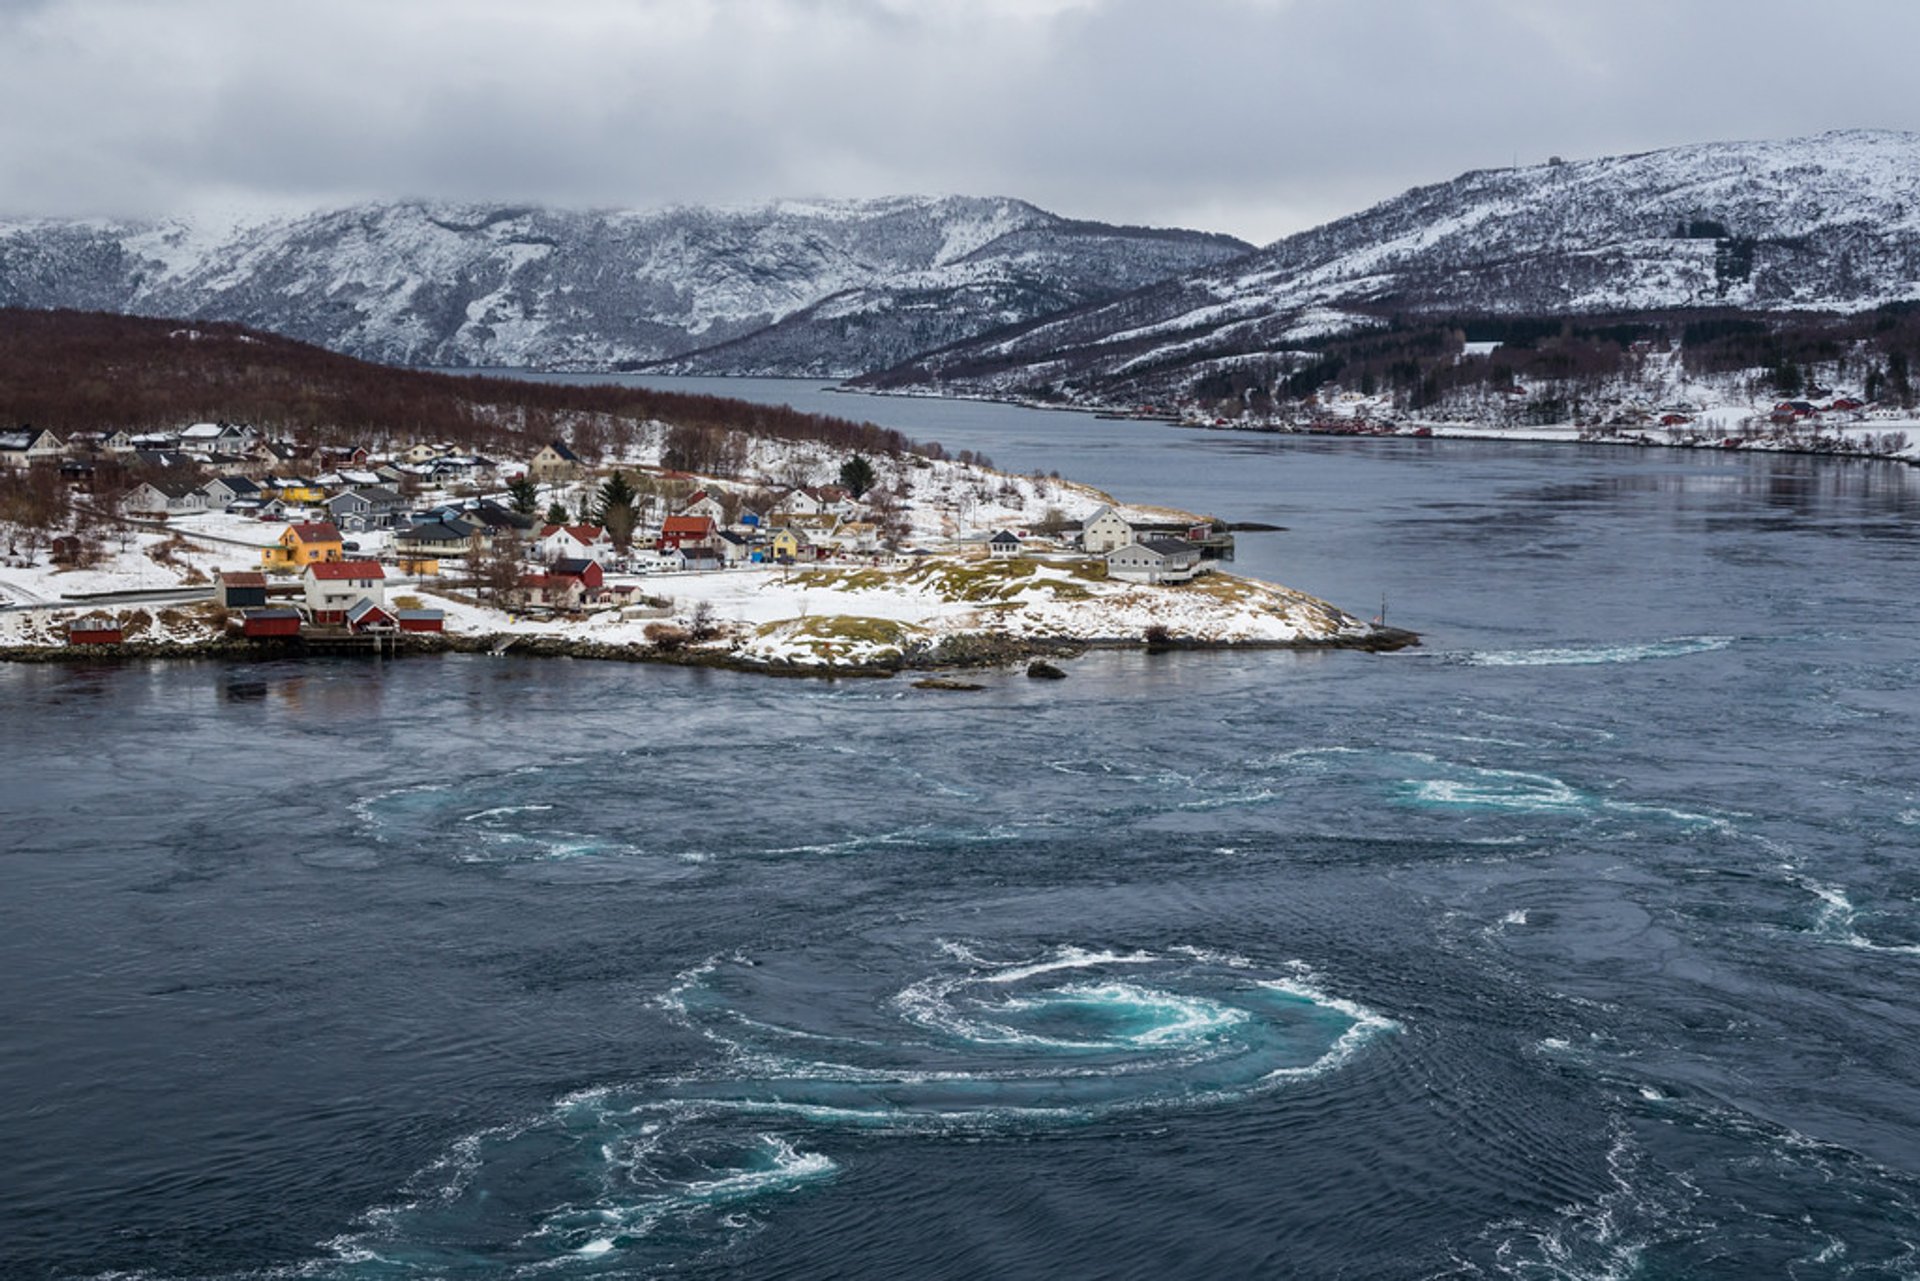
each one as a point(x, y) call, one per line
point(71, 371)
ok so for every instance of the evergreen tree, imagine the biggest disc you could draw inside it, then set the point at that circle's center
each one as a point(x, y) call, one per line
point(524, 496)
point(856, 475)
point(557, 513)
point(616, 509)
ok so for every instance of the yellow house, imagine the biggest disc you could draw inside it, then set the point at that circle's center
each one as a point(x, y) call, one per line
point(419, 565)
point(302, 545)
point(301, 491)
point(784, 543)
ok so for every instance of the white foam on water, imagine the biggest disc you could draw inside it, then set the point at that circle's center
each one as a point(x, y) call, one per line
point(1595, 655)
point(502, 811)
point(674, 1151)
point(1067, 958)
point(1501, 789)
point(1838, 919)
point(1518, 917)
point(790, 1167)
point(1177, 1018)
point(363, 810)
point(1259, 797)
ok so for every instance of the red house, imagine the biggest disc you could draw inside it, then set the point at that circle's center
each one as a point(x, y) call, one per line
point(422, 620)
point(271, 624)
point(365, 616)
point(588, 572)
point(680, 532)
point(95, 631)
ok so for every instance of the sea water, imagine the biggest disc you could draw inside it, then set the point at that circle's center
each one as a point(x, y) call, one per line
point(1580, 942)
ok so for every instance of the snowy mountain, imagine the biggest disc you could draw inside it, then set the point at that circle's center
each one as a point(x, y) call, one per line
point(863, 284)
point(1824, 223)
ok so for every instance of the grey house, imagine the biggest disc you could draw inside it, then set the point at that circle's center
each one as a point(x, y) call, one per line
point(1159, 560)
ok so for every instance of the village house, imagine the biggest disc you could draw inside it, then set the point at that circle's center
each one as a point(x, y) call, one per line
point(496, 519)
point(25, 446)
point(295, 489)
point(681, 533)
point(365, 616)
point(304, 543)
point(1104, 531)
point(705, 504)
point(374, 507)
point(734, 549)
point(333, 457)
point(170, 459)
point(241, 590)
point(1005, 545)
point(584, 568)
point(224, 491)
point(559, 541)
point(421, 620)
point(1157, 561)
point(166, 496)
point(334, 587)
point(347, 478)
point(787, 545)
point(277, 623)
point(95, 631)
point(555, 462)
point(551, 591)
point(439, 538)
point(226, 438)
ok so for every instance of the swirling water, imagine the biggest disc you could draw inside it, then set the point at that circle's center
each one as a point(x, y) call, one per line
point(1580, 943)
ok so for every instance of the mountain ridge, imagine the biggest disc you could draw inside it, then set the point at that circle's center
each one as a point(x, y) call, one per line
point(515, 284)
point(1828, 223)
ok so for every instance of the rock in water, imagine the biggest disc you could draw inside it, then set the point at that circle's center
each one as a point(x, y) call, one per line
point(1041, 670)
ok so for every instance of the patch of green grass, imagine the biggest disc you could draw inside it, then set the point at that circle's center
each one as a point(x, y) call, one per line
point(829, 634)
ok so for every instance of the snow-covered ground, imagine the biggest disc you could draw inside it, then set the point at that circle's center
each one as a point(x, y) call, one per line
point(858, 615)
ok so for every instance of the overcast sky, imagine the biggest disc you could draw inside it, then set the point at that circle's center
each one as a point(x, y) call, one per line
point(1257, 117)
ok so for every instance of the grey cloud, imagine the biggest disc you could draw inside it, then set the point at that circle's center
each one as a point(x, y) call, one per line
point(1252, 116)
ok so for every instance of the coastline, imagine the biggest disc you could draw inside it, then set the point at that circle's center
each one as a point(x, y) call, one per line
point(1837, 446)
point(972, 652)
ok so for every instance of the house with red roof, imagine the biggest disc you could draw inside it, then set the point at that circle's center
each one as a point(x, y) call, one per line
point(563, 542)
point(304, 543)
point(335, 587)
point(685, 533)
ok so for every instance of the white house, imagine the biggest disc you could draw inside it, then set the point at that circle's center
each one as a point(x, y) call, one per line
point(1104, 531)
point(1158, 560)
point(29, 445)
point(164, 497)
point(1004, 545)
point(568, 542)
point(704, 504)
point(234, 437)
point(336, 586)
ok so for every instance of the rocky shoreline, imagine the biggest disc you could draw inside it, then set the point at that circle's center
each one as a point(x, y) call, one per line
point(960, 652)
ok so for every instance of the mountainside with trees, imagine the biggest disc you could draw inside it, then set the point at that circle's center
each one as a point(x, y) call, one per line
point(1826, 224)
point(76, 371)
